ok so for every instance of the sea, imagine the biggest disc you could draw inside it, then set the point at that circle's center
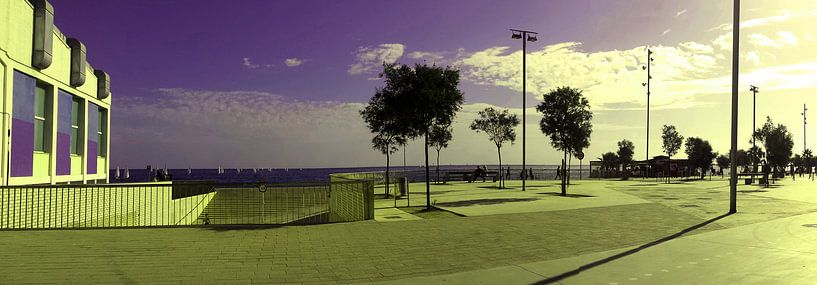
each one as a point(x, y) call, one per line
point(286, 175)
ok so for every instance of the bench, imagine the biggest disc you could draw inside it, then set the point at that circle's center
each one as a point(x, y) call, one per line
point(469, 176)
point(751, 175)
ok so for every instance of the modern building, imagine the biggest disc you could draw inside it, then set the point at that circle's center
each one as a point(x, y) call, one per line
point(55, 107)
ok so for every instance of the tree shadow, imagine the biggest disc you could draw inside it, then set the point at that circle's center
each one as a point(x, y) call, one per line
point(227, 228)
point(568, 195)
point(753, 191)
point(599, 262)
point(473, 202)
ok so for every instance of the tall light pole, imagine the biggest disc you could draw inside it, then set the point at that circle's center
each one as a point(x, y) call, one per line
point(525, 36)
point(733, 175)
point(649, 77)
point(804, 126)
point(754, 90)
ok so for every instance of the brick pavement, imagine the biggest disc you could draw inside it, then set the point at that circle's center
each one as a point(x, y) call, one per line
point(333, 253)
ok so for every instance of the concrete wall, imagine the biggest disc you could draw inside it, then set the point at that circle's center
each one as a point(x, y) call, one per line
point(16, 50)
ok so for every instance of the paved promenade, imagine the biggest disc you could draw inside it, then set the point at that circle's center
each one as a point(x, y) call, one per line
point(512, 248)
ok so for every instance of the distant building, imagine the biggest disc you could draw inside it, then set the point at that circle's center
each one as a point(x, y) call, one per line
point(658, 166)
point(55, 106)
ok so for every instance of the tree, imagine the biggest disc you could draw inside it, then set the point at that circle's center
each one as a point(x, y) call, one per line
point(625, 155)
point(500, 127)
point(439, 138)
point(566, 120)
point(808, 160)
point(609, 161)
point(742, 159)
point(754, 155)
point(672, 141)
point(723, 162)
point(380, 120)
point(699, 153)
point(422, 97)
point(777, 142)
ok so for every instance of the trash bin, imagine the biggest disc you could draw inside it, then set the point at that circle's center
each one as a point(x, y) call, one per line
point(402, 184)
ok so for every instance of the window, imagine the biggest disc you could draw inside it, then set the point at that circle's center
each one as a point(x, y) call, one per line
point(100, 131)
point(41, 119)
point(76, 112)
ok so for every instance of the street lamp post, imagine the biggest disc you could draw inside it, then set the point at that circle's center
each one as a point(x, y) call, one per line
point(804, 126)
point(733, 175)
point(647, 84)
point(754, 90)
point(525, 36)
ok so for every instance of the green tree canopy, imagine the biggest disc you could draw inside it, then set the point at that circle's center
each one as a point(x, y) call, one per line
point(609, 161)
point(500, 127)
point(566, 120)
point(777, 141)
point(722, 161)
point(754, 155)
point(388, 133)
point(742, 158)
point(438, 138)
point(421, 97)
point(672, 140)
point(699, 154)
point(625, 152)
point(808, 158)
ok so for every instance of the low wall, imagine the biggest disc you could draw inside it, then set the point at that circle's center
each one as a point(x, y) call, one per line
point(93, 206)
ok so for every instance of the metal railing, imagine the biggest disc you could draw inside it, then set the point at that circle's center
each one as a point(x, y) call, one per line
point(185, 203)
point(100, 205)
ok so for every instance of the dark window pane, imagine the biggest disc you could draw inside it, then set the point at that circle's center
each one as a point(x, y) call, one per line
point(74, 140)
point(39, 102)
point(39, 135)
point(75, 113)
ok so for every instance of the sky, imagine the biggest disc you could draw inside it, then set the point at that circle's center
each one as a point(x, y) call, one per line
point(280, 83)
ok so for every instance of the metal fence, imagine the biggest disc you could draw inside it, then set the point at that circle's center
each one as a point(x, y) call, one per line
point(183, 203)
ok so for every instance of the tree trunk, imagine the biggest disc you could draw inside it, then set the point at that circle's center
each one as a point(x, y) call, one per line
point(500, 166)
point(564, 187)
point(428, 183)
point(438, 166)
point(388, 154)
point(569, 160)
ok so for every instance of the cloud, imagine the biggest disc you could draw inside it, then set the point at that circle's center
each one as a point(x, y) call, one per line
point(292, 62)
point(753, 57)
point(680, 13)
point(248, 63)
point(782, 17)
point(211, 128)
point(369, 59)
point(431, 56)
point(783, 39)
point(605, 76)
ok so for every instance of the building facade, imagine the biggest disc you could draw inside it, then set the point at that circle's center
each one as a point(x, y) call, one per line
point(55, 106)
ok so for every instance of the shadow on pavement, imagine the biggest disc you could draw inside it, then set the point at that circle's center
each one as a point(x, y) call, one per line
point(593, 264)
point(226, 228)
point(752, 191)
point(473, 202)
point(568, 195)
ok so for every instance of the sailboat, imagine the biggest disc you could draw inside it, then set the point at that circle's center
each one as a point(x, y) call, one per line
point(189, 171)
point(238, 170)
point(117, 173)
point(254, 170)
point(127, 173)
